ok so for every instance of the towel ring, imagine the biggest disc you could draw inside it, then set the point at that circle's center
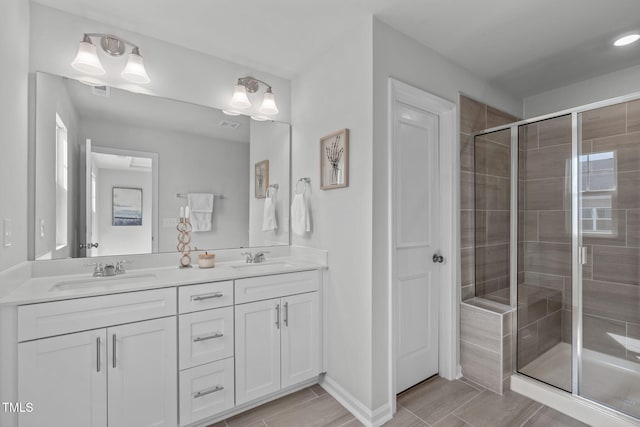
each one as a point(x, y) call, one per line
point(272, 189)
point(304, 182)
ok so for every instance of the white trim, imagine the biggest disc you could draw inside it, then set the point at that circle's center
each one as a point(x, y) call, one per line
point(576, 407)
point(368, 417)
point(449, 185)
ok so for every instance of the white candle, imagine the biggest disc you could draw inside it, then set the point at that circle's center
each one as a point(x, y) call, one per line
point(181, 211)
point(186, 212)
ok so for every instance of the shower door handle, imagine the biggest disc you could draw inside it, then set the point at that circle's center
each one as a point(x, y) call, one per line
point(437, 258)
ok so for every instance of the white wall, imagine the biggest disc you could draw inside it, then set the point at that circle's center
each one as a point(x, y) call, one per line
point(610, 85)
point(54, 99)
point(188, 163)
point(396, 55)
point(270, 141)
point(332, 93)
point(175, 72)
point(120, 240)
point(14, 48)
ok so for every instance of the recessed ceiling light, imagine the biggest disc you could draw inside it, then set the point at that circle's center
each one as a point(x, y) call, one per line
point(625, 40)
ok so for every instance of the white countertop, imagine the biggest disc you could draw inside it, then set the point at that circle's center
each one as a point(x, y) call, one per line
point(39, 289)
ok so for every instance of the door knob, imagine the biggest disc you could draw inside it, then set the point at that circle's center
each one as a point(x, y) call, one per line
point(88, 245)
point(437, 258)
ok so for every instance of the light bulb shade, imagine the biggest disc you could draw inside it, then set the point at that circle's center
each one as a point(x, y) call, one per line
point(240, 98)
point(87, 61)
point(260, 118)
point(269, 104)
point(134, 71)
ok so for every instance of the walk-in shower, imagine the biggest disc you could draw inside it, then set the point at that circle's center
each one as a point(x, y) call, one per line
point(557, 236)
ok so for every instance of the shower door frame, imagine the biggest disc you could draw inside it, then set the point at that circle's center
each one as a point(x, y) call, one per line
point(576, 235)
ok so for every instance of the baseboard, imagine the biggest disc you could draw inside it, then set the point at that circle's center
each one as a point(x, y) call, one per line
point(368, 417)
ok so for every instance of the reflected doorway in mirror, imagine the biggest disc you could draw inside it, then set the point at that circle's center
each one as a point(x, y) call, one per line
point(261, 179)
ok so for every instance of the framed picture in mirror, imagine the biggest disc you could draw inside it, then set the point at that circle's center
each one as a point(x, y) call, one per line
point(334, 160)
point(127, 206)
point(261, 179)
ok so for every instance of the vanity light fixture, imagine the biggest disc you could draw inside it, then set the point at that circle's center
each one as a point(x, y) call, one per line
point(87, 61)
point(626, 39)
point(240, 99)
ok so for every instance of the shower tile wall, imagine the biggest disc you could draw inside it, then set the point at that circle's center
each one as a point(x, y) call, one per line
point(544, 282)
point(485, 235)
point(611, 279)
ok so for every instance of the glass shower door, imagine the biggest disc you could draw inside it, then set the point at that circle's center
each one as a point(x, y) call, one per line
point(609, 231)
point(544, 349)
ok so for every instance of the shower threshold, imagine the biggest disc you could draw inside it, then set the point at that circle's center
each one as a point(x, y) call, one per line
point(607, 380)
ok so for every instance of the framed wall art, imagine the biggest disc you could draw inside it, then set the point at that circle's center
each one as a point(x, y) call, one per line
point(334, 160)
point(261, 179)
point(127, 206)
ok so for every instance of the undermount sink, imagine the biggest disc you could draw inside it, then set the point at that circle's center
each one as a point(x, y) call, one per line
point(266, 266)
point(93, 282)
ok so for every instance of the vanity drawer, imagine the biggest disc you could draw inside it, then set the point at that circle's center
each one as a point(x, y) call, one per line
point(61, 317)
point(205, 336)
point(206, 390)
point(205, 296)
point(275, 286)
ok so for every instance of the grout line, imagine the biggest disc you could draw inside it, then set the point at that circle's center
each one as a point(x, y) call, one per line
point(532, 415)
point(412, 413)
point(455, 416)
point(464, 404)
point(316, 394)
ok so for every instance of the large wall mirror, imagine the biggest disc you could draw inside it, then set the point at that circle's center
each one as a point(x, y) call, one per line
point(112, 169)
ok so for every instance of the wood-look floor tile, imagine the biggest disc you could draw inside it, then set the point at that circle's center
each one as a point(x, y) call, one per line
point(404, 418)
point(492, 410)
point(353, 423)
point(317, 390)
point(323, 411)
point(436, 398)
point(451, 421)
point(219, 424)
point(256, 415)
point(547, 417)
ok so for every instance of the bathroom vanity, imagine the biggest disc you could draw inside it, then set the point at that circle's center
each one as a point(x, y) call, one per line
point(164, 347)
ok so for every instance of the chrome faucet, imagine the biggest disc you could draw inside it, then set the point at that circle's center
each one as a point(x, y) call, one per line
point(109, 269)
point(254, 259)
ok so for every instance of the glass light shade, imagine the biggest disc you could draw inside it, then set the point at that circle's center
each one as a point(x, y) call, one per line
point(269, 104)
point(231, 112)
point(628, 39)
point(260, 118)
point(240, 98)
point(87, 61)
point(134, 70)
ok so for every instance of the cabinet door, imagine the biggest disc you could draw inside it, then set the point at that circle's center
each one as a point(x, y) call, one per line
point(143, 370)
point(65, 378)
point(257, 349)
point(300, 338)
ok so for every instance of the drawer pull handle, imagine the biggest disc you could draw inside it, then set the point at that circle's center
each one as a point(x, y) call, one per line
point(209, 296)
point(208, 391)
point(208, 337)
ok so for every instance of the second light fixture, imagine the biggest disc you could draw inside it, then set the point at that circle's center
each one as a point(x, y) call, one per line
point(240, 100)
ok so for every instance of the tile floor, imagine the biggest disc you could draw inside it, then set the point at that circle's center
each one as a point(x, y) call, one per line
point(435, 402)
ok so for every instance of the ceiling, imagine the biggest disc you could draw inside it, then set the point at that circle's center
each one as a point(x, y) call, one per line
point(525, 46)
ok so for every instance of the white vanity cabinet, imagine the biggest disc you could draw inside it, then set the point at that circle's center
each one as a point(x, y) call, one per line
point(116, 376)
point(277, 339)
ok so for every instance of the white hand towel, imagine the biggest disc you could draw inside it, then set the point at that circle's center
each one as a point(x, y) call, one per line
point(201, 207)
point(269, 222)
point(300, 215)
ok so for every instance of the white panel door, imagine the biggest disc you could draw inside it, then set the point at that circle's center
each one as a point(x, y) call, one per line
point(300, 336)
point(143, 370)
point(416, 203)
point(65, 378)
point(257, 349)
